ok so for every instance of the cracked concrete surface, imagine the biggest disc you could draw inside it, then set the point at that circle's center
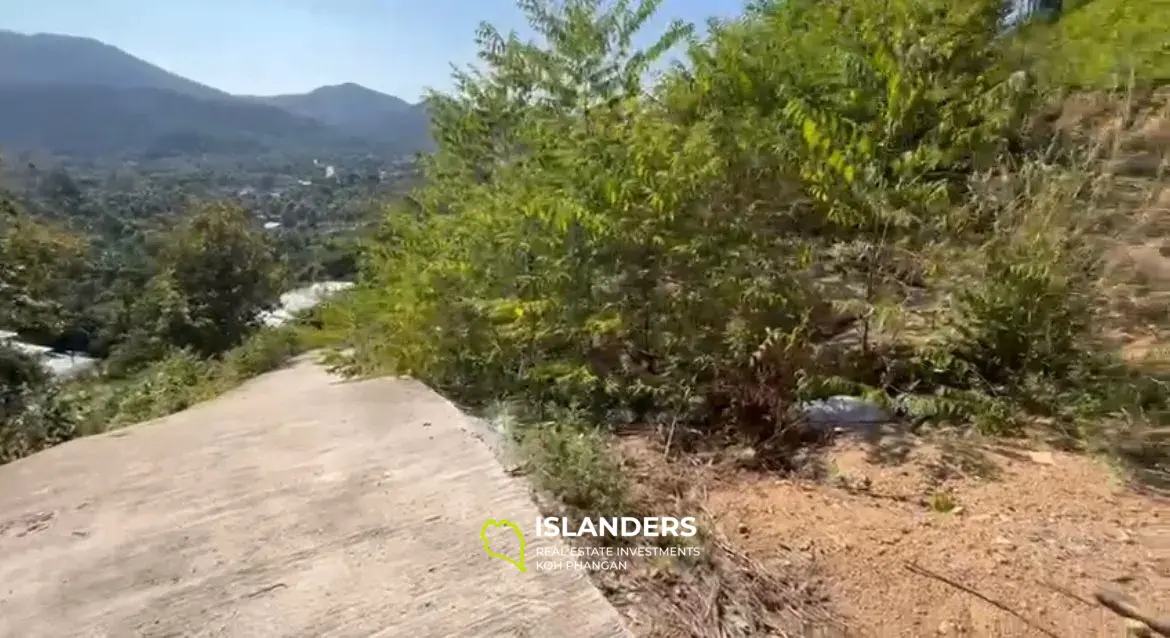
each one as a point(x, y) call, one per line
point(297, 505)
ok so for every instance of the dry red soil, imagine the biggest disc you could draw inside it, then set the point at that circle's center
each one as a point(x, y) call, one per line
point(1030, 536)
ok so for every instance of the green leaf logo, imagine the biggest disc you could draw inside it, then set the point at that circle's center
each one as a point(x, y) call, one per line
point(518, 563)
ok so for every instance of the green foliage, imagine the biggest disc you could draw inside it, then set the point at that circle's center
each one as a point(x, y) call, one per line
point(173, 383)
point(197, 298)
point(580, 243)
point(218, 272)
point(265, 351)
point(177, 381)
point(1028, 318)
point(38, 261)
point(572, 461)
point(1105, 43)
point(886, 104)
point(31, 415)
point(829, 197)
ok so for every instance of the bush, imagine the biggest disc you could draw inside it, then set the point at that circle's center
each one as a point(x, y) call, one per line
point(178, 381)
point(663, 255)
point(805, 209)
point(1105, 43)
point(263, 351)
point(571, 460)
point(31, 415)
point(174, 383)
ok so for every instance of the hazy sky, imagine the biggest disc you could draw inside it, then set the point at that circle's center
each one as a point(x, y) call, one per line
point(290, 46)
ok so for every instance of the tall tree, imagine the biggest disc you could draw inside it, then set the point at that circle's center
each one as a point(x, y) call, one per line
point(224, 271)
point(39, 263)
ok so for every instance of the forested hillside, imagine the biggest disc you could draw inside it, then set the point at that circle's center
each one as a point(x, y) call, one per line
point(161, 277)
point(54, 60)
point(148, 124)
point(83, 99)
point(362, 113)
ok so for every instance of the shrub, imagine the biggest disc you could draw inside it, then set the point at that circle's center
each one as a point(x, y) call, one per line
point(263, 351)
point(572, 461)
point(612, 251)
point(32, 416)
point(1106, 43)
point(803, 209)
point(178, 381)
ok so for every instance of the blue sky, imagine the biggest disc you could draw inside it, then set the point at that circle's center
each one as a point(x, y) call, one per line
point(267, 47)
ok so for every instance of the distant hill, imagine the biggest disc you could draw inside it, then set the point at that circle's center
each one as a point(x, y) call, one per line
point(359, 111)
point(60, 59)
point(101, 121)
point(79, 97)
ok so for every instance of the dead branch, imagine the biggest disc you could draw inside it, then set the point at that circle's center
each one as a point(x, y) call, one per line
point(1066, 593)
point(921, 571)
point(1127, 607)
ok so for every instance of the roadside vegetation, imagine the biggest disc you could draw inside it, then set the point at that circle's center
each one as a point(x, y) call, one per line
point(186, 332)
point(179, 380)
point(825, 198)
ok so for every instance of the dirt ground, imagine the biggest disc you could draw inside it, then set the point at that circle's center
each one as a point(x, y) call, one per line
point(1024, 536)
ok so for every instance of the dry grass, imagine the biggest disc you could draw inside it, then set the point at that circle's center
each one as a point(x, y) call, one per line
point(1143, 624)
point(727, 593)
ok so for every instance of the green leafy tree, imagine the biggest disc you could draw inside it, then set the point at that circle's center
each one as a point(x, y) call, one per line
point(31, 416)
point(756, 228)
point(39, 266)
point(36, 264)
point(218, 272)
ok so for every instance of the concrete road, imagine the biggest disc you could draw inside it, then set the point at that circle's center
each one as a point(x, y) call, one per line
point(297, 505)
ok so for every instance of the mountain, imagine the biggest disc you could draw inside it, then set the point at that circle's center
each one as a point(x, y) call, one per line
point(359, 111)
point(147, 123)
point(346, 105)
point(79, 97)
point(44, 58)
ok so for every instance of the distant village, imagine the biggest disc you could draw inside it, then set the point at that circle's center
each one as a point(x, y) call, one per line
point(66, 365)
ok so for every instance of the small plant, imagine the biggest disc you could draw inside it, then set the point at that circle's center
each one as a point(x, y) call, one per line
point(573, 462)
point(942, 502)
point(263, 351)
point(837, 478)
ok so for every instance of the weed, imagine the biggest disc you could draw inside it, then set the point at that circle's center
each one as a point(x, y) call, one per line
point(176, 382)
point(942, 502)
point(573, 462)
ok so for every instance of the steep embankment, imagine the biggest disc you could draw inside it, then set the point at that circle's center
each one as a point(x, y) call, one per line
point(1132, 133)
